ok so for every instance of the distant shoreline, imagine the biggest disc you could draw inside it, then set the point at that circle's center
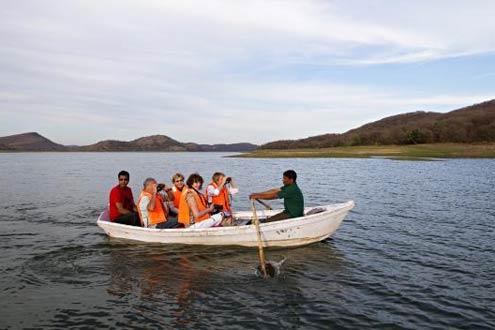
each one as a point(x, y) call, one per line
point(416, 151)
point(112, 151)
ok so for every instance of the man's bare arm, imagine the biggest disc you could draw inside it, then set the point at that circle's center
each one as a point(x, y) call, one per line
point(269, 194)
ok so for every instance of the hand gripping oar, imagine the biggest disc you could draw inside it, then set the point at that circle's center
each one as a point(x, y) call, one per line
point(268, 207)
point(261, 254)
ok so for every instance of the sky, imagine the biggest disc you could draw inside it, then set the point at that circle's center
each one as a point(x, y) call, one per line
point(79, 72)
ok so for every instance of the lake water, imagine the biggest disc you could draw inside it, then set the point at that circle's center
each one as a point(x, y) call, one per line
point(417, 251)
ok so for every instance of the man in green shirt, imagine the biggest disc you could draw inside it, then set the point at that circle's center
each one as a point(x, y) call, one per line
point(290, 192)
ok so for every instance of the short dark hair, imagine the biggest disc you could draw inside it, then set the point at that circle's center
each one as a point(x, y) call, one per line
point(124, 173)
point(291, 174)
point(195, 177)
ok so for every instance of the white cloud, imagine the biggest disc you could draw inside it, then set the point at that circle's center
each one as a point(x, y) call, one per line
point(211, 64)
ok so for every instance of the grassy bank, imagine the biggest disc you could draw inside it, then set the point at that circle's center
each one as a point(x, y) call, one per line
point(418, 151)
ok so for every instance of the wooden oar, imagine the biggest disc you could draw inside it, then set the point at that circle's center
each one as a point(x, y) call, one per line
point(268, 207)
point(261, 253)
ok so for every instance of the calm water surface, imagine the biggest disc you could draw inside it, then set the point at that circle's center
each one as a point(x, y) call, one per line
point(416, 252)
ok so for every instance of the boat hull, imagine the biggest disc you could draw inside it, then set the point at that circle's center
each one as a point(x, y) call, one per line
point(285, 233)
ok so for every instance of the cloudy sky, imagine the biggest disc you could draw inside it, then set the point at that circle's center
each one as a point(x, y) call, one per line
point(231, 71)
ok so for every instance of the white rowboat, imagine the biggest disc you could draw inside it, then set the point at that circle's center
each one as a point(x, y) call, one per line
point(284, 233)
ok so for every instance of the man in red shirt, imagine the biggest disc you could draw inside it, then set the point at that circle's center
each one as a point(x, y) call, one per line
point(122, 207)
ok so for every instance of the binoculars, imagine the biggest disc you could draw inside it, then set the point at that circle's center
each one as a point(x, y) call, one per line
point(217, 208)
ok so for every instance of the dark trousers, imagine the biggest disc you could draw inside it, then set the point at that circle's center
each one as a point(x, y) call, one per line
point(130, 219)
point(169, 224)
point(279, 216)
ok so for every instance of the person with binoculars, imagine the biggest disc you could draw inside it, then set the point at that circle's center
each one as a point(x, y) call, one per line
point(151, 207)
point(219, 193)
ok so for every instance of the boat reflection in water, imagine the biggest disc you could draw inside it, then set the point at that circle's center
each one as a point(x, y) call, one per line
point(178, 285)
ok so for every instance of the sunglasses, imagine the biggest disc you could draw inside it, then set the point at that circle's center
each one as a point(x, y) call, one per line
point(123, 179)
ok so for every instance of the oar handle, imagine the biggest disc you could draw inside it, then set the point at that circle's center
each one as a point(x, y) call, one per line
point(261, 253)
point(268, 207)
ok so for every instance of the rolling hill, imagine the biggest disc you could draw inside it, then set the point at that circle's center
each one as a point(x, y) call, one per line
point(35, 142)
point(29, 142)
point(473, 124)
point(149, 143)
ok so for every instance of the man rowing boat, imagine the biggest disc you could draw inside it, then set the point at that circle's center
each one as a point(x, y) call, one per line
point(290, 192)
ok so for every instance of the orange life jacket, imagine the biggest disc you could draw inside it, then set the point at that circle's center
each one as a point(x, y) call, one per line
point(222, 198)
point(177, 194)
point(185, 215)
point(157, 215)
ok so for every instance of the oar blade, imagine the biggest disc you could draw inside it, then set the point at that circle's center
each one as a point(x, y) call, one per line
point(269, 270)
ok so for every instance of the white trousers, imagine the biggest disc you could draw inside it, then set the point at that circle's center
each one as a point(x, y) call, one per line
point(214, 220)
